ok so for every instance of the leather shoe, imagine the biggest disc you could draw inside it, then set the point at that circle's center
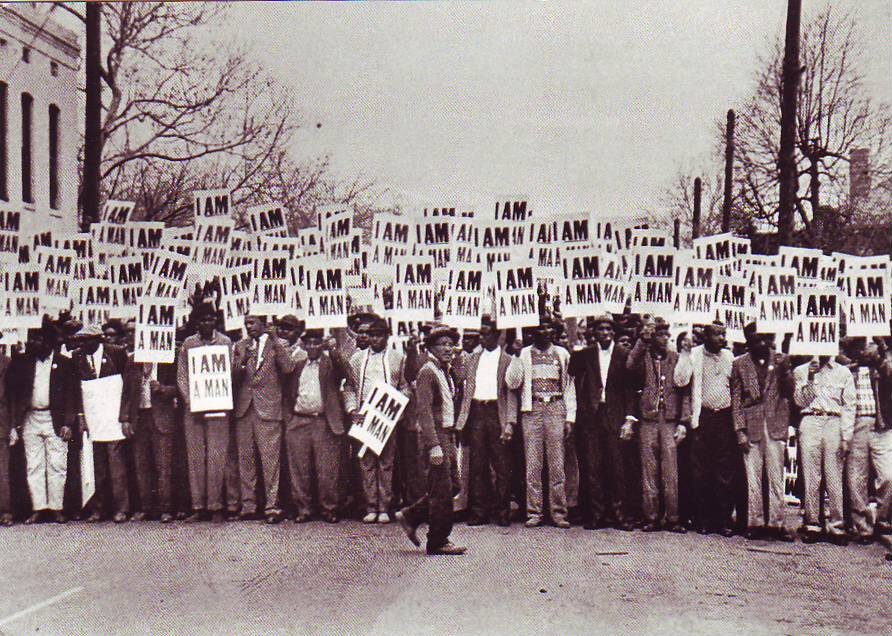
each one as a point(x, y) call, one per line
point(198, 515)
point(273, 517)
point(247, 516)
point(810, 537)
point(702, 530)
point(371, 517)
point(727, 532)
point(166, 517)
point(94, 518)
point(383, 517)
point(330, 517)
point(503, 520)
point(408, 528)
point(120, 517)
point(753, 534)
point(59, 517)
point(533, 522)
point(677, 528)
point(139, 516)
point(34, 518)
point(6, 520)
point(649, 527)
point(838, 539)
point(447, 548)
point(301, 518)
point(476, 521)
point(782, 534)
point(563, 524)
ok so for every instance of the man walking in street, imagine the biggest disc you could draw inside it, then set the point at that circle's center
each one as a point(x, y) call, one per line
point(434, 391)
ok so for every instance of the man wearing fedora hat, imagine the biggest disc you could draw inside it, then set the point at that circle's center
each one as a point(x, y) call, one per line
point(435, 395)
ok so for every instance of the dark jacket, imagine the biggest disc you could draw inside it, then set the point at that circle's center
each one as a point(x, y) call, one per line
point(163, 394)
point(643, 369)
point(429, 406)
point(114, 361)
point(585, 367)
point(331, 374)
point(751, 407)
point(506, 398)
point(63, 389)
point(261, 387)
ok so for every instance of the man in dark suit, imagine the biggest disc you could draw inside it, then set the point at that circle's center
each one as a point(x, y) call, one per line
point(605, 400)
point(761, 387)
point(260, 368)
point(314, 432)
point(488, 415)
point(93, 360)
point(40, 386)
point(151, 391)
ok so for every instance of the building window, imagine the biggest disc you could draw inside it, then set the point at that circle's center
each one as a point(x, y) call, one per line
point(4, 195)
point(54, 156)
point(54, 69)
point(26, 54)
point(27, 117)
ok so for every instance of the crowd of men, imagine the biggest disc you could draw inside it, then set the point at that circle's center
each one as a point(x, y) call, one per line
point(616, 425)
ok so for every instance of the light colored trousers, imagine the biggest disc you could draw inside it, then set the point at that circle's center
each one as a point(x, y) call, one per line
point(46, 455)
point(869, 446)
point(659, 465)
point(543, 440)
point(765, 455)
point(264, 437)
point(820, 438)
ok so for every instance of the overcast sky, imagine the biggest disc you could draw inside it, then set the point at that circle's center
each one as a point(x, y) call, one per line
point(583, 105)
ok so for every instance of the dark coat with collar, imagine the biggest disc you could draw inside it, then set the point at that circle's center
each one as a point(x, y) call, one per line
point(261, 386)
point(63, 389)
point(114, 362)
point(163, 395)
point(331, 375)
point(585, 367)
point(506, 398)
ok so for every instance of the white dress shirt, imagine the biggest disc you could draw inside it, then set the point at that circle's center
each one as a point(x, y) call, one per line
point(486, 381)
point(261, 347)
point(604, 357)
point(40, 397)
point(96, 359)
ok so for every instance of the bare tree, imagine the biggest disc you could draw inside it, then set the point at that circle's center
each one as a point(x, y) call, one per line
point(835, 115)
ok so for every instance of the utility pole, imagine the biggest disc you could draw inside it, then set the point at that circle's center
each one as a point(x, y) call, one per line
point(93, 117)
point(676, 233)
point(698, 190)
point(789, 96)
point(729, 171)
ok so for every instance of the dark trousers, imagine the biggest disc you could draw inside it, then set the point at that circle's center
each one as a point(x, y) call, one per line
point(409, 478)
point(435, 507)
point(313, 447)
point(715, 457)
point(489, 455)
point(5, 499)
point(153, 458)
point(602, 467)
point(109, 464)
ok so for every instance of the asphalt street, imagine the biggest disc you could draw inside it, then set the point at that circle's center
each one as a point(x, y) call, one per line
point(250, 578)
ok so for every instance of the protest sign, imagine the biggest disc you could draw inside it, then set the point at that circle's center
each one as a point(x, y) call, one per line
point(21, 306)
point(774, 291)
point(241, 249)
point(310, 241)
point(695, 283)
point(652, 280)
point(271, 289)
point(581, 269)
point(235, 295)
point(731, 304)
point(268, 220)
point(210, 203)
point(462, 306)
point(210, 247)
point(324, 298)
point(93, 300)
point(648, 237)
point(156, 327)
point(616, 231)
point(806, 262)
point(614, 287)
point(10, 229)
point(168, 275)
point(392, 235)
point(867, 302)
point(116, 212)
point(500, 241)
point(56, 270)
point(102, 407)
point(381, 411)
point(817, 331)
point(210, 379)
point(465, 240)
point(126, 276)
point(516, 296)
point(413, 288)
point(432, 237)
point(513, 208)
